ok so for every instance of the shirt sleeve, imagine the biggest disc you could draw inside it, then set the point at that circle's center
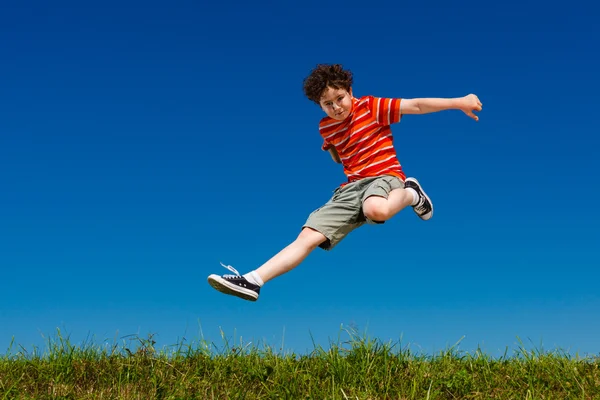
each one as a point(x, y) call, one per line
point(387, 111)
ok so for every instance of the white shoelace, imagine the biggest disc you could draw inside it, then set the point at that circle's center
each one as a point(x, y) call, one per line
point(421, 207)
point(229, 267)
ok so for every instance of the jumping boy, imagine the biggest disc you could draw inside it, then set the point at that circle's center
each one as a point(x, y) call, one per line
point(357, 134)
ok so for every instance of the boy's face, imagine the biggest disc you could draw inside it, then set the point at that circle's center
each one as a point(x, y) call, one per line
point(337, 103)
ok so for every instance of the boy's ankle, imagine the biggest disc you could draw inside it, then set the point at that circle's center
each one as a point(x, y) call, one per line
point(415, 196)
point(254, 278)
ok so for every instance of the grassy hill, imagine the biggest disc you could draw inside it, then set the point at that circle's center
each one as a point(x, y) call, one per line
point(360, 368)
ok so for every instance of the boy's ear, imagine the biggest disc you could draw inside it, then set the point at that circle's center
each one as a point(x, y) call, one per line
point(350, 92)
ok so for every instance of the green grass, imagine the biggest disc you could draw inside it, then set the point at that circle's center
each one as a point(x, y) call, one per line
point(359, 368)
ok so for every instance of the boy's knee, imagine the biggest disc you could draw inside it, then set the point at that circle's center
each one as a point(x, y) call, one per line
point(375, 212)
point(376, 215)
point(311, 238)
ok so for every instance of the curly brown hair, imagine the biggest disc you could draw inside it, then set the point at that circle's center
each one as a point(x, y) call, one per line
point(324, 76)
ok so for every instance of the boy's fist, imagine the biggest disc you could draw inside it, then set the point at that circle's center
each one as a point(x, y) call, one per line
point(469, 104)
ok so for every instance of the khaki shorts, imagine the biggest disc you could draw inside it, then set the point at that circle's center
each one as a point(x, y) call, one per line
point(343, 212)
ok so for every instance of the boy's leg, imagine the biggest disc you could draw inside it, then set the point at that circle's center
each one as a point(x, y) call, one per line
point(379, 209)
point(291, 256)
point(325, 228)
point(248, 286)
point(386, 197)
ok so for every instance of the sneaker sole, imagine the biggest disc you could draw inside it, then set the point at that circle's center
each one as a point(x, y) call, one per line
point(427, 197)
point(223, 286)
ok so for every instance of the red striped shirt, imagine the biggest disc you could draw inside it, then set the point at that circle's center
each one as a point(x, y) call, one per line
point(364, 139)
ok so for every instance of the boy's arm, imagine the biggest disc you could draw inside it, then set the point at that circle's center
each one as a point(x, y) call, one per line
point(467, 104)
point(335, 155)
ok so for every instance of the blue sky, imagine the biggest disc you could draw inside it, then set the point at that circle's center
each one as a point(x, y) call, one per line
point(142, 143)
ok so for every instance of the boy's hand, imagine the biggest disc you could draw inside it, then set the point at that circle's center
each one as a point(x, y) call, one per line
point(470, 103)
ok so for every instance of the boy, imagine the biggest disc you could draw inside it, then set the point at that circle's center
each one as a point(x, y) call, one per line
point(357, 134)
